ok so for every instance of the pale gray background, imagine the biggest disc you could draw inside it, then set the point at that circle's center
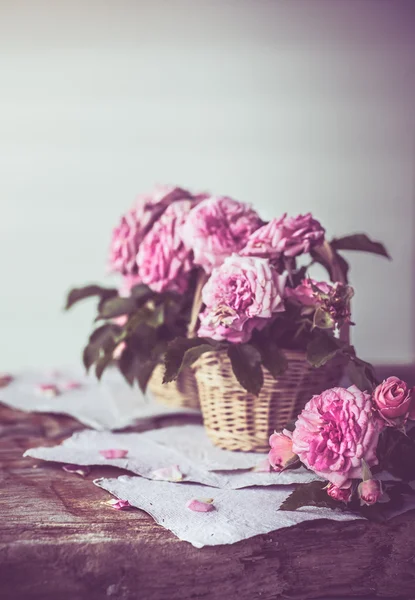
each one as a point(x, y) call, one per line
point(291, 105)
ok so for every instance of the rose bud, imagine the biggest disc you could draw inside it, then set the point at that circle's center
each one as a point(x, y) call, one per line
point(394, 401)
point(343, 494)
point(281, 452)
point(370, 491)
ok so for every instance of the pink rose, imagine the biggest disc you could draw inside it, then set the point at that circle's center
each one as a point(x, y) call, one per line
point(343, 494)
point(395, 401)
point(135, 224)
point(370, 491)
point(216, 228)
point(306, 294)
point(241, 295)
point(335, 431)
point(163, 261)
point(286, 236)
point(331, 301)
point(281, 450)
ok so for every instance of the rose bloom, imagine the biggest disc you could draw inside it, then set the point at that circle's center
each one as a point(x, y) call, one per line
point(370, 491)
point(135, 224)
point(395, 401)
point(343, 494)
point(241, 295)
point(281, 449)
point(335, 431)
point(216, 228)
point(286, 236)
point(163, 261)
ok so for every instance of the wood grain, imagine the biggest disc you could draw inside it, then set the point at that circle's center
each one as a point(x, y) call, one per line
point(59, 540)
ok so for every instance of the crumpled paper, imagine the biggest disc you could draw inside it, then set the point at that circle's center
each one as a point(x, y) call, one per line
point(107, 405)
point(237, 514)
point(149, 452)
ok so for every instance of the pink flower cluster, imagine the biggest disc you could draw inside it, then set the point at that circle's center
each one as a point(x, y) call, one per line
point(241, 295)
point(337, 434)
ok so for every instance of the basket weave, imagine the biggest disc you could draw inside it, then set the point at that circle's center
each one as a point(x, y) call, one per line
point(181, 393)
point(237, 420)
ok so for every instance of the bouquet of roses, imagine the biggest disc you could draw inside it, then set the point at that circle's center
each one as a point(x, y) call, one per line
point(202, 273)
point(360, 444)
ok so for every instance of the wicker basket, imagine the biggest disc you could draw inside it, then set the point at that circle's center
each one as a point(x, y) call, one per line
point(180, 393)
point(237, 420)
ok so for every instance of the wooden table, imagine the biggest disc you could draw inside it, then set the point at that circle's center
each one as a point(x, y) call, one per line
point(58, 540)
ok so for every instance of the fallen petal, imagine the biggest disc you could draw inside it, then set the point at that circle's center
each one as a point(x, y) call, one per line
point(71, 385)
point(168, 474)
point(78, 469)
point(113, 453)
point(5, 379)
point(118, 504)
point(200, 505)
point(49, 390)
point(262, 467)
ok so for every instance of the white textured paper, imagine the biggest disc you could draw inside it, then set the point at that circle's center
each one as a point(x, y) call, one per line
point(146, 454)
point(107, 405)
point(238, 514)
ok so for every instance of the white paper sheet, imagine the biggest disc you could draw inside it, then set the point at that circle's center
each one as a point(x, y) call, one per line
point(107, 405)
point(238, 514)
point(145, 455)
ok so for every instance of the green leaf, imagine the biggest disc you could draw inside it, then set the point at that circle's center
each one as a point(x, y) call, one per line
point(141, 292)
point(77, 294)
point(133, 368)
point(361, 374)
point(273, 358)
point(183, 351)
point(246, 365)
point(336, 266)
point(116, 307)
point(322, 319)
point(397, 453)
point(311, 494)
point(322, 348)
point(90, 355)
point(102, 363)
point(98, 340)
point(360, 242)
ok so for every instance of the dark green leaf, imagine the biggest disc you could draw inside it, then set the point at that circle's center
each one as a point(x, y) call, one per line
point(336, 266)
point(361, 374)
point(102, 363)
point(117, 307)
point(103, 332)
point(273, 358)
point(142, 292)
point(246, 365)
point(360, 242)
point(90, 355)
point(397, 453)
point(322, 348)
point(77, 294)
point(311, 494)
point(183, 351)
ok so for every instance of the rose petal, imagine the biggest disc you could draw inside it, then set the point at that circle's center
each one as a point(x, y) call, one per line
point(262, 467)
point(50, 390)
point(71, 385)
point(79, 470)
point(113, 453)
point(172, 473)
point(118, 504)
point(200, 505)
point(5, 379)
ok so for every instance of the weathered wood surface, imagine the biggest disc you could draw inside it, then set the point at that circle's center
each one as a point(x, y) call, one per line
point(58, 540)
